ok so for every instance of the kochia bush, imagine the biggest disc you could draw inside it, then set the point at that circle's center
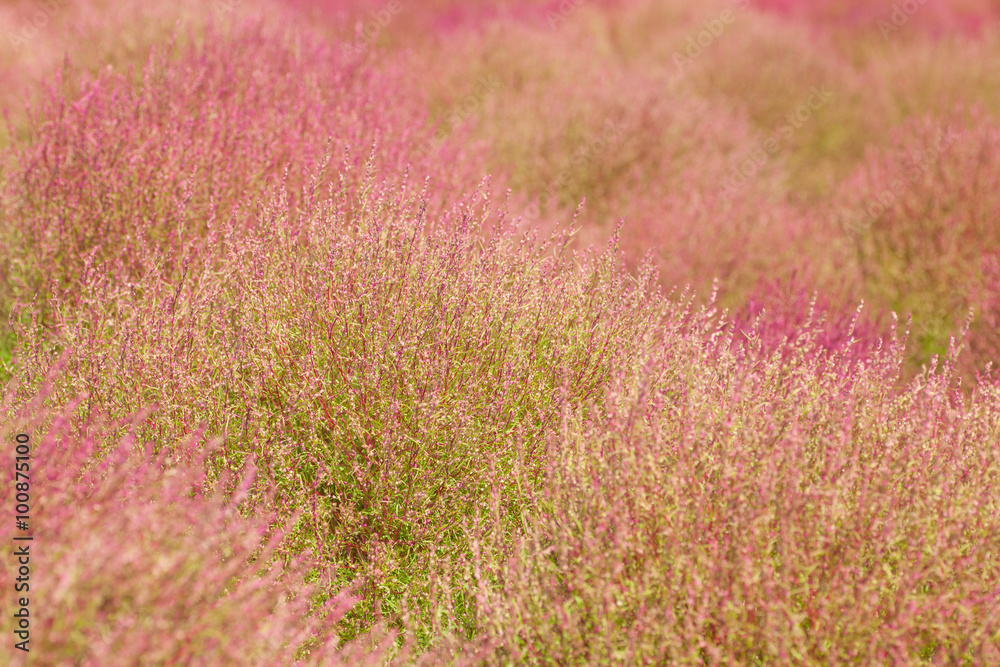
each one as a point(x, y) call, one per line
point(136, 561)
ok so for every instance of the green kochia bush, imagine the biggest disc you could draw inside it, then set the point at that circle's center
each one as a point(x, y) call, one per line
point(730, 506)
point(374, 360)
point(135, 561)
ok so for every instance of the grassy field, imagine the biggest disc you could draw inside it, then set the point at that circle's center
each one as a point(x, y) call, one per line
point(580, 332)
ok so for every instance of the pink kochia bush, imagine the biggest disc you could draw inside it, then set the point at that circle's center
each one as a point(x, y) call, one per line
point(923, 219)
point(730, 506)
point(111, 164)
point(779, 312)
point(134, 561)
point(373, 360)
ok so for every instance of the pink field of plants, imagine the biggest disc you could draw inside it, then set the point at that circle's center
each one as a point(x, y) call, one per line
point(450, 332)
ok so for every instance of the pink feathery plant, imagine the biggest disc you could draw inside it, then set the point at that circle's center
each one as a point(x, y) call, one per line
point(779, 312)
point(371, 359)
point(731, 505)
point(135, 561)
point(922, 217)
point(207, 132)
